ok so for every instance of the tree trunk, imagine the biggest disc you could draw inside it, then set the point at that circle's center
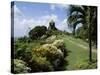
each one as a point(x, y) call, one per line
point(90, 43)
point(73, 30)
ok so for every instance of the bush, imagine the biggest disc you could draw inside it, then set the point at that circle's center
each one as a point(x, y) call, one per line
point(53, 32)
point(51, 39)
point(40, 64)
point(37, 32)
point(60, 45)
point(23, 39)
point(43, 37)
point(53, 54)
point(23, 52)
point(49, 51)
point(20, 66)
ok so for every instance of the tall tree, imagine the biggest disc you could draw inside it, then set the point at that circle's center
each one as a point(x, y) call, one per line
point(85, 15)
point(37, 32)
point(76, 16)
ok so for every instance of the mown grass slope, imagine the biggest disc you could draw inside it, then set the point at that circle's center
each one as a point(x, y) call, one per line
point(78, 54)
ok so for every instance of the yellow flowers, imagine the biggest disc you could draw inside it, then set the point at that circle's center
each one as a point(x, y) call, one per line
point(58, 43)
point(50, 49)
point(51, 39)
point(49, 53)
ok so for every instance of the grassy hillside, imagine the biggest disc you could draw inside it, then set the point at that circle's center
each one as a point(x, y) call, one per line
point(78, 53)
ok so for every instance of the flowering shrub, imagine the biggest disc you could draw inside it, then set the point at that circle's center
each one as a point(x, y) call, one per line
point(58, 43)
point(49, 51)
point(51, 39)
point(20, 66)
point(39, 63)
point(52, 51)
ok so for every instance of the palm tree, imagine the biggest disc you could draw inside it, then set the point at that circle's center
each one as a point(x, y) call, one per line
point(77, 16)
point(85, 15)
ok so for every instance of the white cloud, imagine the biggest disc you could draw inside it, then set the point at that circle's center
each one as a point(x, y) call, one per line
point(44, 20)
point(63, 25)
point(64, 6)
point(61, 6)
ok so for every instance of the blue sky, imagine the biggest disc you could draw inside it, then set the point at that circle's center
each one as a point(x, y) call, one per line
point(27, 15)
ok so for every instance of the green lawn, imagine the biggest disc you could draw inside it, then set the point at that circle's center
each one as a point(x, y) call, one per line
point(78, 53)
